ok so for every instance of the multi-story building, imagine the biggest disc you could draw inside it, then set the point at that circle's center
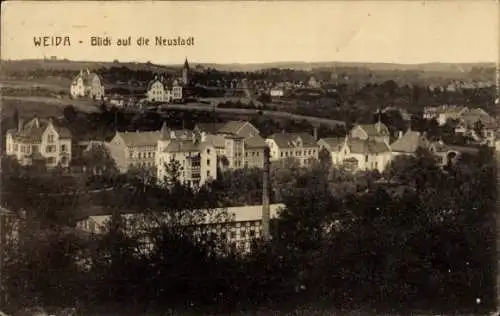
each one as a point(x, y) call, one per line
point(366, 155)
point(301, 146)
point(238, 226)
point(87, 85)
point(255, 148)
point(134, 149)
point(138, 149)
point(357, 154)
point(196, 161)
point(235, 150)
point(237, 143)
point(162, 90)
point(39, 140)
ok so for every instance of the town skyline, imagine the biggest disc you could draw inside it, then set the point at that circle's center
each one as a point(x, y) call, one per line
point(385, 32)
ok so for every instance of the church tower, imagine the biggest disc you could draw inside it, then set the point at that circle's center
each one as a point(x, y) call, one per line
point(185, 72)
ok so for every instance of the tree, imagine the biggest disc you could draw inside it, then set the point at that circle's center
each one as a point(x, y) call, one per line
point(70, 114)
point(98, 161)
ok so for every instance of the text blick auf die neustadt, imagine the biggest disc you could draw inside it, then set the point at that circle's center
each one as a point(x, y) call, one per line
point(44, 41)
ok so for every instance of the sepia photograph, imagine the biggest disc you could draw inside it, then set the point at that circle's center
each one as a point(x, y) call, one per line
point(249, 158)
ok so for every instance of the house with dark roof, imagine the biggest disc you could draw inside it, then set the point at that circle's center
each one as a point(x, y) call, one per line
point(377, 132)
point(237, 143)
point(87, 85)
point(408, 143)
point(364, 154)
point(300, 146)
point(334, 146)
point(39, 140)
point(138, 149)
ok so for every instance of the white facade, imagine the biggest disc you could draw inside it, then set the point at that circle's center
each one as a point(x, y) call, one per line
point(159, 91)
point(87, 85)
point(39, 140)
point(239, 225)
point(197, 161)
point(296, 149)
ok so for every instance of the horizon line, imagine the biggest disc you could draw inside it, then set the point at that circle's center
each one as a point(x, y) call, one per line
point(253, 63)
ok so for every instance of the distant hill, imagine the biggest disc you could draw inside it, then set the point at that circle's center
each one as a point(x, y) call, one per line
point(430, 67)
point(77, 65)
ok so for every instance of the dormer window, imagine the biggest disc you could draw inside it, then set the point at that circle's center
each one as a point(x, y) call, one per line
point(50, 138)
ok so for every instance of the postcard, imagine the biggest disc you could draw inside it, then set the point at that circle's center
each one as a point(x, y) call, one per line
point(249, 157)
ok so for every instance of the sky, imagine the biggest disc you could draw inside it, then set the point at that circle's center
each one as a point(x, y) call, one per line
point(405, 32)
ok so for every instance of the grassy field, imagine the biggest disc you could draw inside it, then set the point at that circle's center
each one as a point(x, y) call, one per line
point(41, 106)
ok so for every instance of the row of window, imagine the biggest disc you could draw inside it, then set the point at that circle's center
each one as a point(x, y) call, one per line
point(140, 155)
point(299, 153)
point(27, 149)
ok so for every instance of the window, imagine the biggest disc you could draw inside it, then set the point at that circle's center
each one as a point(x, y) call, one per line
point(243, 234)
point(208, 151)
point(232, 235)
point(131, 154)
point(34, 149)
point(257, 154)
point(366, 158)
point(208, 162)
point(208, 173)
point(50, 138)
point(281, 154)
point(15, 147)
point(50, 149)
point(63, 148)
point(246, 154)
point(139, 155)
point(51, 160)
point(252, 233)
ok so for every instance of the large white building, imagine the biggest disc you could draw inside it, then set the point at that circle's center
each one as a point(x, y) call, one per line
point(238, 226)
point(87, 85)
point(357, 154)
point(300, 146)
point(162, 90)
point(39, 140)
point(196, 161)
point(237, 143)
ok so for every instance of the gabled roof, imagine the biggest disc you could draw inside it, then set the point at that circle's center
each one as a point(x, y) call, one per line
point(87, 77)
point(230, 127)
point(333, 143)
point(137, 139)
point(375, 130)
point(150, 83)
point(235, 127)
point(211, 128)
point(255, 142)
point(33, 130)
point(285, 140)
point(410, 142)
point(366, 147)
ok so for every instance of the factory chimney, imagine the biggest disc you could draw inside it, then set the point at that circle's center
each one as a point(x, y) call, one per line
point(265, 197)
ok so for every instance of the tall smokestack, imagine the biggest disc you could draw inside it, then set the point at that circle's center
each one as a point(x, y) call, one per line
point(265, 197)
point(315, 133)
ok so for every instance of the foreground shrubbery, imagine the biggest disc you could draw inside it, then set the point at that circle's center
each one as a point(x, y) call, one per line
point(423, 243)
